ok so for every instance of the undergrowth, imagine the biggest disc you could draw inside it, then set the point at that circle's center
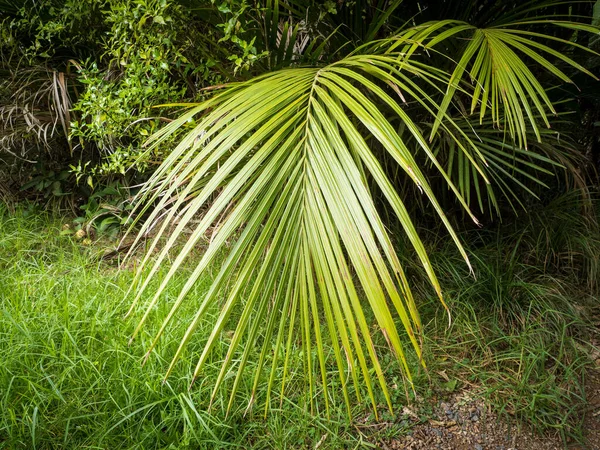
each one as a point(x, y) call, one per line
point(521, 324)
point(69, 379)
point(519, 336)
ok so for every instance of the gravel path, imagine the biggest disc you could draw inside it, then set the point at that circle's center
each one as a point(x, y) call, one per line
point(463, 422)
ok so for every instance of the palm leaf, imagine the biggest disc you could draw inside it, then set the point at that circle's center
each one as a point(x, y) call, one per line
point(281, 167)
point(288, 155)
point(503, 81)
point(513, 170)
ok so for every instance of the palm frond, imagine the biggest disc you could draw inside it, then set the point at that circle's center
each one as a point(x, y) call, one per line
point(288, 155)
point(282, 167)
point(497, 62)
point(36, 111)
point(512, 170)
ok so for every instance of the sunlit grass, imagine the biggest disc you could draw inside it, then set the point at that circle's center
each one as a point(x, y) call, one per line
point(70, 379)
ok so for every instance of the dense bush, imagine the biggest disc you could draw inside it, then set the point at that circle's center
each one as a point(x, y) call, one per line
point(80, 82)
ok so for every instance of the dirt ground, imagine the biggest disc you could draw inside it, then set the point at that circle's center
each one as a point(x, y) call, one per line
point(592, 415)
point(463, 422)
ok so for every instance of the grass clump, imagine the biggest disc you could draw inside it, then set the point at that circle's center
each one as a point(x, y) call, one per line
point(521, 326)
point(69, 379)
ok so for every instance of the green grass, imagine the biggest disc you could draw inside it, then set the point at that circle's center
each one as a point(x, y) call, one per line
point(520, 332)
point(69, 379)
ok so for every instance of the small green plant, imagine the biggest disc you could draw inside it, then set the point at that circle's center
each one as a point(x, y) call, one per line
point(143, 54)
point(48, 183)
point(105, 214)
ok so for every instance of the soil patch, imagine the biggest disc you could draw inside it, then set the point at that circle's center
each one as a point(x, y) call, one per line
point(464, 422)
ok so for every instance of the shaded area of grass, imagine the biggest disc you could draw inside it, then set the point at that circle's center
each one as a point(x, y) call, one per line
point(68, 378)
point(522, 326)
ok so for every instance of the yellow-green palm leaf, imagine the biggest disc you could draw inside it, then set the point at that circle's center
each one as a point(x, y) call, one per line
point(280, 169)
